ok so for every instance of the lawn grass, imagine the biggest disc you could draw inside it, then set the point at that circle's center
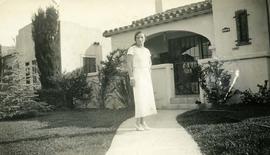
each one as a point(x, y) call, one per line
point(80, 132)
point(230, 129)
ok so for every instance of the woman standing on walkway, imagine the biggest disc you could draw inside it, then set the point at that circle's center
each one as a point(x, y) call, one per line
point(139, 69)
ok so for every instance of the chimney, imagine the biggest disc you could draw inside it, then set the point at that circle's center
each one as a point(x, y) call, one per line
point(158, 6)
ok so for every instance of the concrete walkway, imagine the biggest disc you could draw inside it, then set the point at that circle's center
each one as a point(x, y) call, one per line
point(166, 137)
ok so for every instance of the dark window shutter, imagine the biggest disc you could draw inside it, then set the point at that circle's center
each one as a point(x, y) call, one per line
point(244, 27)
point(238, 27)
point(92, 65)
point(89, 65)
point(85, 68)
point(241, 19)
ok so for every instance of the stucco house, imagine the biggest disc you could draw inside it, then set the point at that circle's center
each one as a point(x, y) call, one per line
point(234, 31)
point(80, 46)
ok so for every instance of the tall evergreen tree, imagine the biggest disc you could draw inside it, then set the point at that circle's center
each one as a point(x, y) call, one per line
point(46, 36)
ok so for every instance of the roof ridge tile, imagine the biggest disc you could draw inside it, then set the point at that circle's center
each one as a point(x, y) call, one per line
point(178, 13)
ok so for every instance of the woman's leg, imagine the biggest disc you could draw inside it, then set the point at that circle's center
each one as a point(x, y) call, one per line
point(141, 120)
point(138, 125)
point(143, 123)
point(138, 121)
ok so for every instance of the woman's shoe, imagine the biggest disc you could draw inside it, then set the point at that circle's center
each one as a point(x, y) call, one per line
point(139, 127)
point(145, 126)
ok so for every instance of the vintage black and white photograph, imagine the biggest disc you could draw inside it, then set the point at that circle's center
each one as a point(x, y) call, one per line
point(134, 77)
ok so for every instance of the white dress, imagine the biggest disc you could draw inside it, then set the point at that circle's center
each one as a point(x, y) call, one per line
point(143, 89)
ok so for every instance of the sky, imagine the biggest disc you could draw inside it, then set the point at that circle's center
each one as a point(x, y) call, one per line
point(101, 14)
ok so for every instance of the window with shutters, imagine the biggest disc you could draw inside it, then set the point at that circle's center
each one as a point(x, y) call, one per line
point(241, 18)
point(89, 64)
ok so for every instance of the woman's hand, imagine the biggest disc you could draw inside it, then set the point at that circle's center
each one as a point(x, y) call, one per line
point(132, 82)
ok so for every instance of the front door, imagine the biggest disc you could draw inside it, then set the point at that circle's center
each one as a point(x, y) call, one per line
point(184, 53)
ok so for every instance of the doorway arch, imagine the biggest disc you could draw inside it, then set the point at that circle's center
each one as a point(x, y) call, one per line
point(182, 49)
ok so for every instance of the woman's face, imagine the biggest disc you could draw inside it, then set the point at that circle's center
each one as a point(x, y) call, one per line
point(140, 39)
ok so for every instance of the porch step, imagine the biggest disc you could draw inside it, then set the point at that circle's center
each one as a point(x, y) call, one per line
point(184, 99)
point(185, 102)
point(179, 107)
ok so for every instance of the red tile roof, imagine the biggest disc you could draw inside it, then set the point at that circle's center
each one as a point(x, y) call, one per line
point(167, 16)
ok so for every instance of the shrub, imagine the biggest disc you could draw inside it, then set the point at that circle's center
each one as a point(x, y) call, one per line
point(114, 78)
point(73, 85)
point(125, 91)
point(260, 97)
point(52, 96)
point(17, 98)
point(215, 81)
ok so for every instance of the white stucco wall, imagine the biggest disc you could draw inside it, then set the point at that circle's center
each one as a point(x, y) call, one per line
point(25, 43)
point(26, 49)
point(202, 25)
point(251, 60)
point(252, 72)
point(223, 13)
point(94, 51)
point(75, 40)
point(164, 90)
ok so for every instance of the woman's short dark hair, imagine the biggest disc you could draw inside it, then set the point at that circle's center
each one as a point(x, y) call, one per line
point(137, 33)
